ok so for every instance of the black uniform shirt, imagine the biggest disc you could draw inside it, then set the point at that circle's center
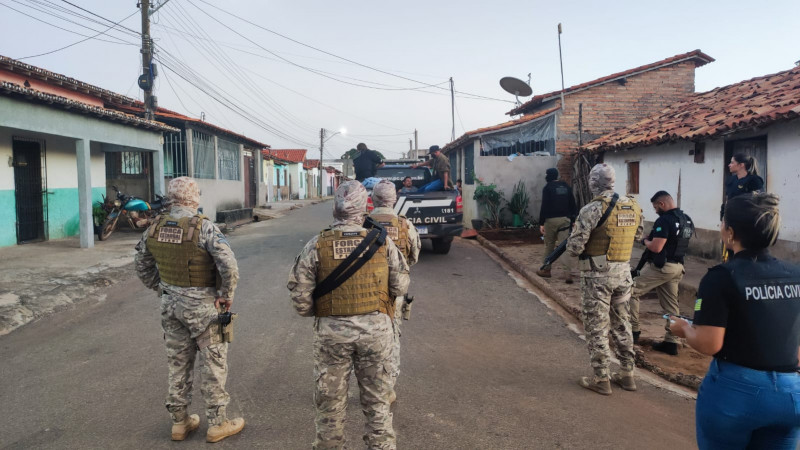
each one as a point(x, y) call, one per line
point(738, 186)
point(557, 201)
point(756, 298)
point(667, 226)
point(366, 164)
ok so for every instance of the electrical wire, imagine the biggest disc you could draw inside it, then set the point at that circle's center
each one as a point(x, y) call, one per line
point(77, 42)
point(62, 28)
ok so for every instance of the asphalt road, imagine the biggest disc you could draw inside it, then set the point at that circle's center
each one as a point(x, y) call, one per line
point(485, 365)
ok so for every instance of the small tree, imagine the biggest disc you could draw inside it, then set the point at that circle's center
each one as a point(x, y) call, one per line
point(491, 200)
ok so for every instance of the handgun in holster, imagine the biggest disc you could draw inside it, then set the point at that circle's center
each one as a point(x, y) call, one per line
point(407, 306)
point(226, 321)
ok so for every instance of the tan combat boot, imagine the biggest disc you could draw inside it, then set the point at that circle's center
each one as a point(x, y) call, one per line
point(182, 429)
point(601, 386)
point(624, 380)
point(544, 273)
point(225, 429)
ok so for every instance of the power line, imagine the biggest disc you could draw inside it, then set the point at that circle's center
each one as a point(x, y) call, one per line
point(78, 42)
point(476, 96)
point(97, 15)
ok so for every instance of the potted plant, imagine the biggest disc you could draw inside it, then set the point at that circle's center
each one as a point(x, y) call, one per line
point(491, 201)
point(519, 203)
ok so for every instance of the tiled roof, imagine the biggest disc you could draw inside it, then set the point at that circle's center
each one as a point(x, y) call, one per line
point(266, 155)
point(474, 133)
point(753, 103)
point(63, 81)
point(311, 163)
point(14, 90)
point(698, 57)
point(166, 114)
point(293, 155)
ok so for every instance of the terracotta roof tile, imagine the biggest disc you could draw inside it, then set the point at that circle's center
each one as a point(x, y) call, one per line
point(757, 102)
point(292, 155)
point(699, 58)
point(474, 133)
point(14, 90)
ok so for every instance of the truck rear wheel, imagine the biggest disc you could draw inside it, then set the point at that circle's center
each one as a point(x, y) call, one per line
point(442, 245)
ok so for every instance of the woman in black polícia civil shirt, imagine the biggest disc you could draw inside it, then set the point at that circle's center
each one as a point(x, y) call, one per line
point(747, 315)
point(744, 178)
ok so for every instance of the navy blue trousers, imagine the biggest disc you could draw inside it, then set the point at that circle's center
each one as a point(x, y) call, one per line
point(740, 408)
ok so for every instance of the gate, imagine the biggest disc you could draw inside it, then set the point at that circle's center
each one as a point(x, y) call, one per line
point(30, 189)
point(250, 186)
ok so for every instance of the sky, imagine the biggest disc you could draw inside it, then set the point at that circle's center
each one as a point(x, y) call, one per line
point(280, 71)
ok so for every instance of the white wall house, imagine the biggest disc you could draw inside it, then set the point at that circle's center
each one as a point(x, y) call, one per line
point(686, 149)
point(296, 175)
point(504, 154)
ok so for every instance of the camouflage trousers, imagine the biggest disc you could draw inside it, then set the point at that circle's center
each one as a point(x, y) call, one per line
point(184, 319)
point(398, 317)
point(604, 308)
point(343, 345)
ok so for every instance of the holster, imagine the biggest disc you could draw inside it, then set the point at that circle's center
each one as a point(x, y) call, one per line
point(406, 311)
point(598, 262)
point(227, 330)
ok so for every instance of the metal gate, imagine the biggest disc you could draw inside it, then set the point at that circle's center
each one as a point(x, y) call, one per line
point(30, 189)
point(250, 186)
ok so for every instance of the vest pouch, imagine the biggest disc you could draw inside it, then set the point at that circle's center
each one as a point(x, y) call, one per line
point(599, 263)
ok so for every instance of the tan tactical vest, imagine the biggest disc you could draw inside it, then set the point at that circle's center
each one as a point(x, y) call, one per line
point(397, 229)
point(173, 243)
point(615, 238)
point(366, 291)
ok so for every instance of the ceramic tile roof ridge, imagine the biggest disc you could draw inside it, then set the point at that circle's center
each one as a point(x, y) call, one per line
point(698, 56)
point(756, 102)
point(501, 126)
point(113, 115)
point(48, 76)
point(295, 155)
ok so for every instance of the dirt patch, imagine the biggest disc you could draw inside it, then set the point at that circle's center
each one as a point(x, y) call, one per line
point(514, 236)
point(687, 368)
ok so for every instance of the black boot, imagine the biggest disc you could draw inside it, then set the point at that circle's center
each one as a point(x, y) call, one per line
point(636, 337)
point(669, 348)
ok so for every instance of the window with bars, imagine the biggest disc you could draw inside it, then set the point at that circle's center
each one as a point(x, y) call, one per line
point(203, 149)
point(131, 163)
point(175, 155)
point(523, 148)
point(127, 165)
point(228, 156)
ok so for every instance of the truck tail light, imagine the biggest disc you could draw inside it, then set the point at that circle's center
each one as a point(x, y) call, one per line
point(459, 205)
point(370, 206)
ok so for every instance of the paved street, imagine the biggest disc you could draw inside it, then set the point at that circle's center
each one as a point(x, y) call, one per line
point(484, 365)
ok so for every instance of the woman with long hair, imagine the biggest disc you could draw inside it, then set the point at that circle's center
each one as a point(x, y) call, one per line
point(744, 178)
point(747, 315)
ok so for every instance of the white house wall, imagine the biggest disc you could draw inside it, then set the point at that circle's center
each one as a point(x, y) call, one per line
point(220, 195)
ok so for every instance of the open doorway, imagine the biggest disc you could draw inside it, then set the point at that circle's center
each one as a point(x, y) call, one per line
point(755, 147)
point(30, 189)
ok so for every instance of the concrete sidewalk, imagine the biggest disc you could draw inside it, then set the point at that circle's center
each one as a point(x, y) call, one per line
point(686, 369)
point(42, 278)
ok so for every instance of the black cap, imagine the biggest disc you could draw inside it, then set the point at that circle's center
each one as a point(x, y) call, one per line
point(434, 148)
point(551, 174)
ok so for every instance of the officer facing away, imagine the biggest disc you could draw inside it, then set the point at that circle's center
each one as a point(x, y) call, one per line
point(405, 237)
point(353, 329)
point(555, 216)
point(664, 271)
point(182, 256)
point(603, 239)
point(367, 163)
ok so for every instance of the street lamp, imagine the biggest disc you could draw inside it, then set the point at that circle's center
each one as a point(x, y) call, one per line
point(323, 138)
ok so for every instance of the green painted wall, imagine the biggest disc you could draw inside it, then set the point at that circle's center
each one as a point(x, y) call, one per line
point(62, 211)
point(8, 218)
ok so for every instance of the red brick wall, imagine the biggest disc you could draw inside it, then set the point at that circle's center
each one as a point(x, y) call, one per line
point(614, 105)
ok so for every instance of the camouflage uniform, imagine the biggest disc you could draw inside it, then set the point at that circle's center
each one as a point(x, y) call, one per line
point(384, 197)
point(604, 294)
point(186, 313)
point(343, 344)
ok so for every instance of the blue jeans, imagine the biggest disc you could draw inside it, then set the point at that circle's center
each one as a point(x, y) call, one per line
point(741, 408)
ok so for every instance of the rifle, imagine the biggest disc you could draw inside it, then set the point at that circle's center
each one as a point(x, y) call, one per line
point(647, 255)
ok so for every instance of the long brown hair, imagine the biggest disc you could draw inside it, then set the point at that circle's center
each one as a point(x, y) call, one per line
point(750, 163)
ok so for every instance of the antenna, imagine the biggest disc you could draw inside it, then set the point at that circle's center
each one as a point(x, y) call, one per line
point(517, 87)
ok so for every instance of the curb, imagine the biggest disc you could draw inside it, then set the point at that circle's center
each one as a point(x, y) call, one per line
point(689, 381)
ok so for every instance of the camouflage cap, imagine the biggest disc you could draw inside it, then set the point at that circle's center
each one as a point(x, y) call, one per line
point(184, 191)
point(350, 203)
point(384, 194)
point(601, 178)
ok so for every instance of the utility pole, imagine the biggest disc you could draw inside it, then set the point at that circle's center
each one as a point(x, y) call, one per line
point(410, 147)
point(146, 81)
point(561, 63)
point(416, 145)
point(321, 145)
point(452, 110)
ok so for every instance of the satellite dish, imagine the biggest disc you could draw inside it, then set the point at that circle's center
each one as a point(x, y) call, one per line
point(516, 86)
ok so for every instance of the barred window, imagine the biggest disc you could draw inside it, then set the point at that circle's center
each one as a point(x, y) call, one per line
point(132, 163)
point(203, 147)
point(175, 155)
point(228, 160)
